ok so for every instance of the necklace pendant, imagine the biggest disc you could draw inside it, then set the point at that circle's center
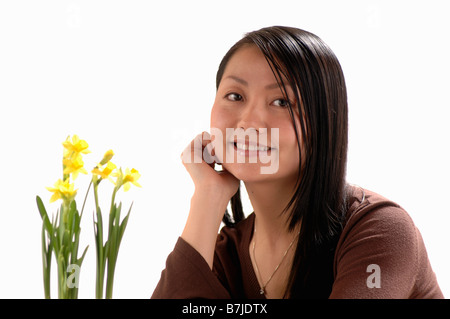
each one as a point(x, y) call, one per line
point(261, 291)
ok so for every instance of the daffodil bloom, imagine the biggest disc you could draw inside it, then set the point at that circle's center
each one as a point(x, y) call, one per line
point(74, 166)
point(127, 178)
point(62, 190)
point(130, 177)
point(107, 157)
point(75, 147)
point(104, 171)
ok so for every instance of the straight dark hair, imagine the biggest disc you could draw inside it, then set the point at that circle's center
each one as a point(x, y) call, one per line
point(319, 200)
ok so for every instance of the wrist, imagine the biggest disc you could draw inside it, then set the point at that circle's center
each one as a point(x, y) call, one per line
point(203, 223)
point(209, 205)
point(210, 195)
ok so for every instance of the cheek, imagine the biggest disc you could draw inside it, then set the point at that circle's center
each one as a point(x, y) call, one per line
point(289, 146)
point(221, 120)
point(218, 124)
point(218, 118)
point(214, 117)
point(289, 151)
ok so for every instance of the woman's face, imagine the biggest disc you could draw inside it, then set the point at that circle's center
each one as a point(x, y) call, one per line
point(252, 115)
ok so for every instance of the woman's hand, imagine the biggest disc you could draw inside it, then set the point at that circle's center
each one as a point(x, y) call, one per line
point(199, 159)
point(213, 190)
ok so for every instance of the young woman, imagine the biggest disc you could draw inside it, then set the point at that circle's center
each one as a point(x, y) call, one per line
point(281, 105)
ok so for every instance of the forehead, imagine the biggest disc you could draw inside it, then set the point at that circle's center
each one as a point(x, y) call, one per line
point(248, 60)
point(248, 63)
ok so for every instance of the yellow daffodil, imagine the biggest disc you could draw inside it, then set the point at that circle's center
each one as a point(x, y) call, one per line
point(75, 146)
point(62, 190)
point(74, 166)
point(130, 177)
point(107, 157)
point(104, 171)
point(127, 178)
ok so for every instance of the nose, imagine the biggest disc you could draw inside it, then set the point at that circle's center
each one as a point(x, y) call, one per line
point(253, 115)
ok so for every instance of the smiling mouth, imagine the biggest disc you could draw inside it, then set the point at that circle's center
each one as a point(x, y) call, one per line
point(250, 147)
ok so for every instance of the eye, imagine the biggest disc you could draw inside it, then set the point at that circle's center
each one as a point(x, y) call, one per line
point(234, 97)
point(281, 103)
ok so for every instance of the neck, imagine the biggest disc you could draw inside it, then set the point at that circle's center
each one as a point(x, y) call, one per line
point(268, 201)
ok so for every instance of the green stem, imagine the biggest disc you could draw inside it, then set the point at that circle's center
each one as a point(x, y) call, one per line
point(110, 278)
point(46, 261)
point(100, 271)
point(111, 252)
point(85, 197)
point(111, 215)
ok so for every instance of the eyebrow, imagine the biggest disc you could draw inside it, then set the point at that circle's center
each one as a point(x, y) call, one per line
point(237, 79)
point(245, 83)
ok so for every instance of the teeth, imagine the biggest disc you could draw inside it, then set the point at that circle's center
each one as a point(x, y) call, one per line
point(245, 147)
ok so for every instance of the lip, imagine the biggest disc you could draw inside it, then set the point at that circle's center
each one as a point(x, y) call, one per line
point(251, 145)
point(250, 149)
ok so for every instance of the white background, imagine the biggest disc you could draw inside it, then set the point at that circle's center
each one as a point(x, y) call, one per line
point(139, 77)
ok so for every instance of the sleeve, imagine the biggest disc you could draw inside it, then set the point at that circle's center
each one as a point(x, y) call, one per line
point(382, 255)
point(187, 275)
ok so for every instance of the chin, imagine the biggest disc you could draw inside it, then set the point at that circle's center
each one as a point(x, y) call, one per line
point(250, 172)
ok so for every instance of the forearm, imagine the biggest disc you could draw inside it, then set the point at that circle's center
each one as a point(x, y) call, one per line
point(205, 215)
point(187, 276)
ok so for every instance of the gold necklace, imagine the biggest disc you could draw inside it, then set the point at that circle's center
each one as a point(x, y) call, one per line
point(262, 290)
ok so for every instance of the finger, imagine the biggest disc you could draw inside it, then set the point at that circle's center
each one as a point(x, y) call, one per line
point(206, 138)
point(207, 155)
point(188, 154)
point(198, 150)
point(209, 152)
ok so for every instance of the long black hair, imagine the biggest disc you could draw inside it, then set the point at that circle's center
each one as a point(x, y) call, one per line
point(319, 201)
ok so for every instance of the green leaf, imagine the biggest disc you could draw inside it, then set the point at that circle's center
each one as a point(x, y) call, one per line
point(112, 215)
point(98, 229)
point(66, 246)
point(115, 235)
point(56, 238)
point(72, 216)
point(46, 260)
point(44, 215)
point(80, 260)
point(100, 253)
point(76, 235)
point(62, 275)
point(61, 228)
point(124, 223)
